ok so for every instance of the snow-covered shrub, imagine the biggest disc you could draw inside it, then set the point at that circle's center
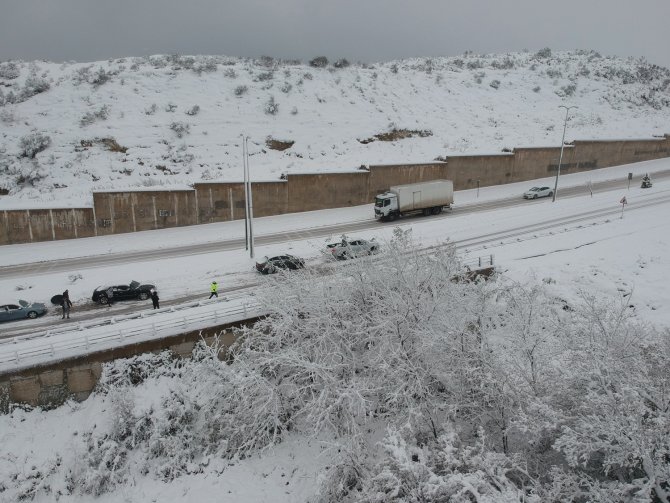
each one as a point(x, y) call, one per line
point(286, 87)
point(505, 64)
point(31, 144)
point(394, 68)
point(180, 128)
point(240, 90)
point(170, 107)
point(100, 77)
point(474, 64)
point(206, 65)
point(34, 85)
point(9, 70)
point(90, 117)
point(264, 76)
point(495, 84)
point(194, 110)
point(151, 110)
point(445, 470)
point(543, 53)
point(350, 348)
point(230, 73)
point(271, 106)
point(566, 91)
point(479, 77)
point(319, 62)
point(307, 76)
point(294, 110)
point(536, 89)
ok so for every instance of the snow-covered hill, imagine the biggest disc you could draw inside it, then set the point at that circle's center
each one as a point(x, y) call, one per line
point(171, 120)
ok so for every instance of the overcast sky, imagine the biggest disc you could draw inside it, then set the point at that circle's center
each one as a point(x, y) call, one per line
point(359, 30)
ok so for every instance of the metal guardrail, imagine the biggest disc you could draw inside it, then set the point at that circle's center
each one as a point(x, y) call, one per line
point(116, 335)
point(478, 262)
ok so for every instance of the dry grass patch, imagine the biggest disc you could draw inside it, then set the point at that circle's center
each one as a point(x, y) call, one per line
point(398, 134)
point(280, 145)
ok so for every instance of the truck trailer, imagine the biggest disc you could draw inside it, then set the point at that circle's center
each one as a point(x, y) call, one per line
point(428, 198)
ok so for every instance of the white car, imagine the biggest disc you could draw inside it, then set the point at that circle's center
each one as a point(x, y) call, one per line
point(536, 192)
point(347, 249)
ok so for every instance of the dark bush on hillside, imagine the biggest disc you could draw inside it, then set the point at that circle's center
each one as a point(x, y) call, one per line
point(180, 128)
point(543, 53)
point(264, 77)
point(319, 62)
point(240, 90)
point(31, 144)
point(495, 84)
point(193, 110)
point(271, 107)
point(341, 63)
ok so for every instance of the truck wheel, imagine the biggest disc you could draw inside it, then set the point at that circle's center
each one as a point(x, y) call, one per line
point(391, 217)
point(426, 212)
point(435, 210)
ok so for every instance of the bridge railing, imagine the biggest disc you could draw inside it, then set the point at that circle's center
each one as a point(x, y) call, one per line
point(26, 350)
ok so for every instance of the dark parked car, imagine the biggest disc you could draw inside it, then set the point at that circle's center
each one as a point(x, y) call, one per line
point(23, 309)
point(272, 264)
point(122, 292)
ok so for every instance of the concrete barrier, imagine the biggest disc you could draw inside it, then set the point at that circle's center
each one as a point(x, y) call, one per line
point(50, 385)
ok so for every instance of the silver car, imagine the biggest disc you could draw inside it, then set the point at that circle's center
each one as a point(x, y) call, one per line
point(9, 312)
point(536, 192)
point(347, 249)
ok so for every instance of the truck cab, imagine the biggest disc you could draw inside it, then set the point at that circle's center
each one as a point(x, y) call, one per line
point(386, 204)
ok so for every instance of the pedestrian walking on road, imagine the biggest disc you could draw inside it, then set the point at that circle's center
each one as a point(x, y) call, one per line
point(213, 288)
point(110, 295)
point(66, 305)
point(155, 299)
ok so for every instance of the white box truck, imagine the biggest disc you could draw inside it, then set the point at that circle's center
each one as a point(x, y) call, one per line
point(428, 198)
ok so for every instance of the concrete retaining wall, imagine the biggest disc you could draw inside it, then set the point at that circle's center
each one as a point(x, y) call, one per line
point(51, 385)
point(131, 211)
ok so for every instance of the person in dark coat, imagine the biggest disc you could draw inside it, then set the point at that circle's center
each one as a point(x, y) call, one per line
point(66, 305)
point(155, 299)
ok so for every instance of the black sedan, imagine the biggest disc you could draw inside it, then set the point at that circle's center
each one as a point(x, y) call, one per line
point(112, 293)
point(270, 265)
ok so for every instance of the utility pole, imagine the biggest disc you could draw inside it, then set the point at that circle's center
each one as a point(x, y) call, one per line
point(560, 158)
point(249, 206)
point(246, 195)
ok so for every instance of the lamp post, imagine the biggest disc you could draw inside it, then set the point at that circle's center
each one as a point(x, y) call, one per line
point(248, 199)
point(560, 158)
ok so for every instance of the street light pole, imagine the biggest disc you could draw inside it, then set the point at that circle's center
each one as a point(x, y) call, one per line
point(560, 158)
point(250, 201)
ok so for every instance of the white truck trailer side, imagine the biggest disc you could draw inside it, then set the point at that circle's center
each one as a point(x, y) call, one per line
point(428, 198)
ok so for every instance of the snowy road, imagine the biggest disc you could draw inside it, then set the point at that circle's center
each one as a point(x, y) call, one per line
point(97, 261)
point(478, 244)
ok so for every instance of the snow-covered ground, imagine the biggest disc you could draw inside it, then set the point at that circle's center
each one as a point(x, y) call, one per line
point(470, 104)
point(604, 254)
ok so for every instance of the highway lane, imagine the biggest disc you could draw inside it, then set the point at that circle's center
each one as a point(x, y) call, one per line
point(80, 263)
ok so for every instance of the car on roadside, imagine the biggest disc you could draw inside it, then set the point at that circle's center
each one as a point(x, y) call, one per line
point(271, 265)
point(536, 192)
point(353, 248)
point(21, 310)
point(132, 291)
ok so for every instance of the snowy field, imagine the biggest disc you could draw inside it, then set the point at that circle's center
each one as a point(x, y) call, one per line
point(168, 121)
point(591, 247)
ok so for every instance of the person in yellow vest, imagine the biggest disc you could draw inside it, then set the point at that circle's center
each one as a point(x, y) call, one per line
point(213, 288)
